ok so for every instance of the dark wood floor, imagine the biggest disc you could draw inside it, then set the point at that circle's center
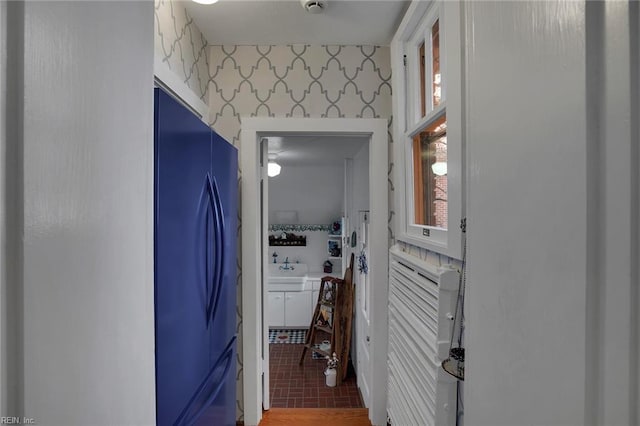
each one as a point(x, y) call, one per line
point(316, 417)
point(292, 386)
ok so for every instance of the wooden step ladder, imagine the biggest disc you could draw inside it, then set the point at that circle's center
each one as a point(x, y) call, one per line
point(333, 314)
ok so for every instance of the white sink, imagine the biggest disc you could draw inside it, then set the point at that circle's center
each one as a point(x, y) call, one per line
point(287, 276)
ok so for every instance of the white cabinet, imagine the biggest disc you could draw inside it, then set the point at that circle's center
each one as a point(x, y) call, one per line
point(276, 308)
point(297, 309)
point(290, 308)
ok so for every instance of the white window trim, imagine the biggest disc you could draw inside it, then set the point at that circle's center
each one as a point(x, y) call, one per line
point(418, 15)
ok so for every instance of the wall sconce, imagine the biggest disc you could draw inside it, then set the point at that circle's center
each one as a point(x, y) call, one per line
point(273, 168)
point(439, 168)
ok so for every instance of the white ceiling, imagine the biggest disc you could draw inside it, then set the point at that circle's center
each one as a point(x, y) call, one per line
point(278, 22)
point(315, 150)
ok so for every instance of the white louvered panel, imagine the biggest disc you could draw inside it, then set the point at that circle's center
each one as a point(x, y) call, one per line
point(420, 305)
point(408, 349)
point(426, 331)
point(421, 297)
point(426, 382)
point(423, 387)
point(415, 401)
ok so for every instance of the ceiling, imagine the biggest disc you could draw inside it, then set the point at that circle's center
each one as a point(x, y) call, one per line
point(315, 150)
point(281, 22)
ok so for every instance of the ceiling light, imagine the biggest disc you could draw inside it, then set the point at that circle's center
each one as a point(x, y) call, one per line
point(273, 168)
point(205, 1)
point(439, 168)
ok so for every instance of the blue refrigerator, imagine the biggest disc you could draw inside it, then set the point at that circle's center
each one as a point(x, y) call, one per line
point(196, 198)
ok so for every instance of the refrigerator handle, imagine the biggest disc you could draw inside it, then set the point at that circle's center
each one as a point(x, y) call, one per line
point(219, 255)
point(216, 378)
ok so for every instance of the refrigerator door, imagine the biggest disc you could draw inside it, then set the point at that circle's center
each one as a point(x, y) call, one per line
point(184, 222)
point(225, 170)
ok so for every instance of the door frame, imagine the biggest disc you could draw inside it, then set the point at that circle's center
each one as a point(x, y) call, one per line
point(252, 130)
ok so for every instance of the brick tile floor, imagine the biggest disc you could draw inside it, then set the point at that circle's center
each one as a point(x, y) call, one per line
point(292, 386)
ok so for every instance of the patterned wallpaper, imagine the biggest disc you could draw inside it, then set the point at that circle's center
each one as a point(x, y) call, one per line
point(181, 46)
point(296, 81)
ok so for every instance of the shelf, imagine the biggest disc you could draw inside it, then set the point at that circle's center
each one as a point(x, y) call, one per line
point(289, 240)
point(335, 258)
point(318, 350)
point(334, 236)
point(273, 243)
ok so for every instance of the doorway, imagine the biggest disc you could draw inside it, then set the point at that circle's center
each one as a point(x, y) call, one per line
point(255, 259)
point(315, 187)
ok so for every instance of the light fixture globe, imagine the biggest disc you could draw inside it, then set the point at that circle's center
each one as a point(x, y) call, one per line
point(205, 1)
point(273, 168)
point(439, 168)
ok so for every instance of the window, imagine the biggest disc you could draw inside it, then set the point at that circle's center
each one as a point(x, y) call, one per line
point(430, 175)
point(429, 126)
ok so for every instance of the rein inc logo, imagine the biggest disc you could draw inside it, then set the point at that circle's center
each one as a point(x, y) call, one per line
point(5, 420)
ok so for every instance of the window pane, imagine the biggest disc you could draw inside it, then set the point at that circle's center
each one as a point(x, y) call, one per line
point(423, 78)
point(430, 175)
point(435, 66)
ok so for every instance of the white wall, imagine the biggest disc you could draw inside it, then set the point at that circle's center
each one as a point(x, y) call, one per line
point(3, 267)
point(11, 210)
point(549, 282)
point(315, 192)
point(88, 218)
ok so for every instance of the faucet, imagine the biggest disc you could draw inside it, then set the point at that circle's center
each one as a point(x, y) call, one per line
point(286, 266)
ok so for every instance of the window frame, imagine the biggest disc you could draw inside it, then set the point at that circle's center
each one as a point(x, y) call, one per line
point(414, 30)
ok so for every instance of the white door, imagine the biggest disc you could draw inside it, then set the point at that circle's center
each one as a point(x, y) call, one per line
point(266, 305)
point(363, 300)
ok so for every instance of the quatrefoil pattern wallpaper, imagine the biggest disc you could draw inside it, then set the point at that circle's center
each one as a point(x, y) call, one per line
point(297, 81)
point(181, 46)
point(277, 81)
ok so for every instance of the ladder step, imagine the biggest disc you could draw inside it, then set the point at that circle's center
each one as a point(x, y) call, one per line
point(324, 328)
point(318, 350)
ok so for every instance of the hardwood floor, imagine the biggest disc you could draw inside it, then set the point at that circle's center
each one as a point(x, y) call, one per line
point(316, 416)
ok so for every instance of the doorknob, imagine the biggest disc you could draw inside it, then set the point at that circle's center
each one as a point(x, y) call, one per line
point(368, 339)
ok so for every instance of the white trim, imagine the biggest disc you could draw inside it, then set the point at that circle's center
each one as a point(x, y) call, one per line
point(252, 129)
point(171, 81)
point(440, 241)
